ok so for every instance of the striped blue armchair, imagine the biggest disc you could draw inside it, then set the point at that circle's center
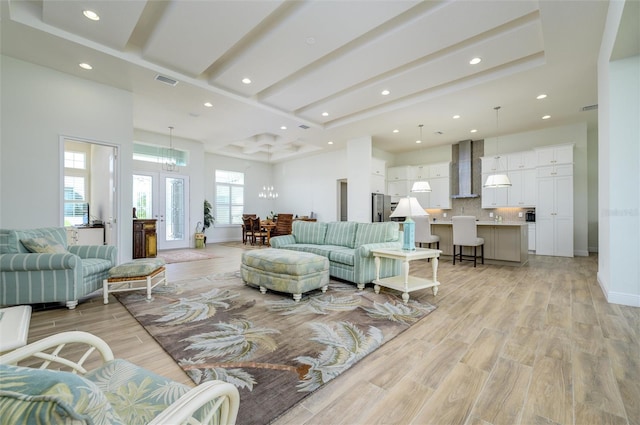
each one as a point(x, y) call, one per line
point(49, 270)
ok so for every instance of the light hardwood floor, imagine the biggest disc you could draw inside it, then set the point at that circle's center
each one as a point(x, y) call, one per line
point(537, 344)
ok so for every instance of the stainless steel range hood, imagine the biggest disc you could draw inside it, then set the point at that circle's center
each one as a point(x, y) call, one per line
point(464, 171)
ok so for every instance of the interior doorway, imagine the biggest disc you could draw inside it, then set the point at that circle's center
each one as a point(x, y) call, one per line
point(165, 198)
point(89, 189)
point(342, 200)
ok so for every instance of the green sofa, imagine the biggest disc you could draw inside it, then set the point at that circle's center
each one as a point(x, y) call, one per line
point(347, 245)
point(59, 273)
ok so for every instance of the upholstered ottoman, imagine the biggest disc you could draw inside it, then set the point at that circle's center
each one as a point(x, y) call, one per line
point(143, 273)
point(283, 270)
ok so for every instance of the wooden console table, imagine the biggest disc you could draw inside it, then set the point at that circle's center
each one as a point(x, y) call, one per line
point(145, 239)
point(404, 282)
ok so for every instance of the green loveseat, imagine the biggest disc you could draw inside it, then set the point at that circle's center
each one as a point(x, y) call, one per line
point(347, 245)
point(60, 273)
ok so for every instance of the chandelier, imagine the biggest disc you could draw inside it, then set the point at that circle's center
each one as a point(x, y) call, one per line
point(268, 191)
point(170, 156)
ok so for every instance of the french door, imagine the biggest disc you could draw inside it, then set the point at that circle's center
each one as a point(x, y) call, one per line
point(164, 197)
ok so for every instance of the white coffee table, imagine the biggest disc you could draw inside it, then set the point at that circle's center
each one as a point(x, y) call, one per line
point(404, 282)
point(14, 327)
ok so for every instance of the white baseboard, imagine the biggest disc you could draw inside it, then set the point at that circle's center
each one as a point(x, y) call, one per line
point(580, 253)
point(632, 300)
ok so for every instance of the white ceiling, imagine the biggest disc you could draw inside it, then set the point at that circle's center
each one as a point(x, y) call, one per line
point(309, 57)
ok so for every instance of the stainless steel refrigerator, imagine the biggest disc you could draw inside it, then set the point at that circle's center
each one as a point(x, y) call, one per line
point(380, 207)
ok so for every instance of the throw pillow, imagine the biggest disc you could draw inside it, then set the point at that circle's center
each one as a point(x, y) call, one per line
point(43, 246)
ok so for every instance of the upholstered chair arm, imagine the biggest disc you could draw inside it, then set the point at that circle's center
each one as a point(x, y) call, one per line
point(37, 262)
point(50, 351)
point(105, 252)
point(279, 241)
point(223, 399)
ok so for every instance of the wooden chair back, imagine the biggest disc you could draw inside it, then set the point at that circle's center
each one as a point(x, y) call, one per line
point(283, 225)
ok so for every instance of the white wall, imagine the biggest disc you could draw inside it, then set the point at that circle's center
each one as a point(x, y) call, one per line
point(359, 180)
point(38, 106)
point(619, 162)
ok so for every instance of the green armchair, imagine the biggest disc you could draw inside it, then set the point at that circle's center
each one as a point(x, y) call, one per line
point(57, 273)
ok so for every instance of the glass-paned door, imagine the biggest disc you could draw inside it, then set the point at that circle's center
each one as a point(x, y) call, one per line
point(164, 197)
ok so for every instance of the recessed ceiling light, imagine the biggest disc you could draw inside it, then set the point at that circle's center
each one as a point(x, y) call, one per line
point(541, 96)
point(246, 80)
point(546, 117)
point(208, 104)
point(385, 92)
point(85, 65)
point(475, 61)
point(329, 142)
point(418, 141)
point(396, 131)
point(455, 117)
point(91, 15)
point(474, 131)
point(325, 114)
point(310, 40)
point(283, 127)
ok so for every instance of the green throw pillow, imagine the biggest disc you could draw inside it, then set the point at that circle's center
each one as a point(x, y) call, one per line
point(43, 246)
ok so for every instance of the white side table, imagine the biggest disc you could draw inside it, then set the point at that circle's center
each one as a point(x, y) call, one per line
point(404, 282)
point(14, 327)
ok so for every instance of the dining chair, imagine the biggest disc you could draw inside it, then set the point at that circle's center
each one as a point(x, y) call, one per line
point(257, 232)
point(283, 225)
point(423, 232)
point(465, 233)
point(247, 234)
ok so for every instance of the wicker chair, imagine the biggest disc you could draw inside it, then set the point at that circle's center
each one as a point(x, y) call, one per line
point(50, 386)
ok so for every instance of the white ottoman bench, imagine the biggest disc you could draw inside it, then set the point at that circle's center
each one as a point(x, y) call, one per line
point(142, 273)
point(283, 270)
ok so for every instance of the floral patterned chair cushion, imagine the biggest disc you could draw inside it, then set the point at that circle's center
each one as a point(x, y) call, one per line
point(118, 392)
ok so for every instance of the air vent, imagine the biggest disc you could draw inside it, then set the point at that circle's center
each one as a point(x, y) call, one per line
point(438, 132)
point(589, 108)
point(166, 80)
point(304, 127)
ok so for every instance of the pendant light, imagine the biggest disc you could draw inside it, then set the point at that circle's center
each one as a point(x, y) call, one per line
point(268, 191)
point(497, 180)
point(421, 186)
point(170, 156)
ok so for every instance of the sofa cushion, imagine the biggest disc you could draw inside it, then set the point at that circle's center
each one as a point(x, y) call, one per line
point(43, 245)
point(93, 266)
point(41, 396)
point(341, 233)
point(376, 232)
point(309, 232)
point(13, 245)
point(343, 256)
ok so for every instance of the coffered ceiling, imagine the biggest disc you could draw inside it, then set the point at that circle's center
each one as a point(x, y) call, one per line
point(319, 68)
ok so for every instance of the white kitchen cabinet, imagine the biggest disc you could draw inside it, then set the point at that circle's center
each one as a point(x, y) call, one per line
point(521, 160)
point(554, 216)
point(532, 236)
point(440, 196)
point(398, 189)
point(439, 170)
point(419, 172)
point(492, 164)
point(523, 192)
point(398, 173)
point(378, 178)
point(494, 197)
point(554, 155)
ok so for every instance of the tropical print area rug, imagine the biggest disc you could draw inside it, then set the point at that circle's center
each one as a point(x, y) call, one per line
point(274, 350)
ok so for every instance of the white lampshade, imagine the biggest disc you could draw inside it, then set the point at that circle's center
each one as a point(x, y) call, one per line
point(421, 187)
point(497, 180)
point(408, 207)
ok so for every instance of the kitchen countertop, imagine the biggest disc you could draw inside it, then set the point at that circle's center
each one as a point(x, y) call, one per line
point(486, 223)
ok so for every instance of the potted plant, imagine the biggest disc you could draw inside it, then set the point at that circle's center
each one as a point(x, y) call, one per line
point(208, 218)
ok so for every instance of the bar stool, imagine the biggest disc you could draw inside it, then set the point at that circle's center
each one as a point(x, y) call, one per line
point(423, 232)
point(465, 233)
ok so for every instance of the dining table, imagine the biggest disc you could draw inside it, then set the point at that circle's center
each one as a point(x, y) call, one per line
point(266, 226)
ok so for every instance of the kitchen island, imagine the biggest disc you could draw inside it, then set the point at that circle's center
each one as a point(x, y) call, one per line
point(505, 243)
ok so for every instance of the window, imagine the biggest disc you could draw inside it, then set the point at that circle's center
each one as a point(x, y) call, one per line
point(143, 195)
point(76, 208)
point(157, 154)
point(229, 197)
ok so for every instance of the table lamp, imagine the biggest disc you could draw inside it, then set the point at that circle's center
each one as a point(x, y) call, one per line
point(408, 207)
